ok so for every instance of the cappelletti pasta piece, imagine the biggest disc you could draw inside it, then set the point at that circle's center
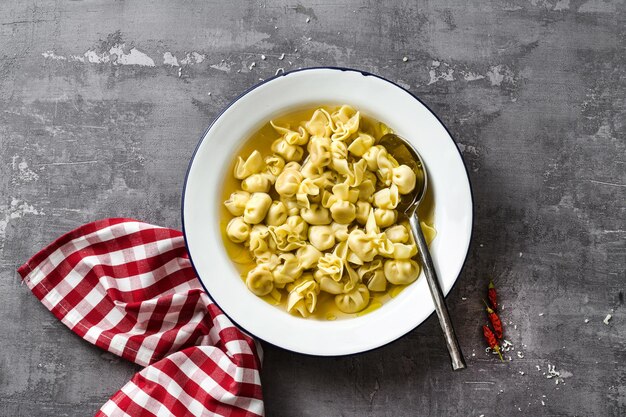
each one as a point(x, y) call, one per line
point(404, 251)
point(292, 137)
point(404, 178)
point(331, 265)
point(288, 182)
point(307, 187)
point(343, 212)
point(288, 271)
point(236, 203)
point(274, 164)
point(353, 301)
point(327, 284)
point(276, 214)
point(322, 237)
point(387, 198)
point(256, 208)
point(285, 237)
point(397, 234)
point(319, 151)
point(257, 183)
point(385, 218)
point(238, 230)
point(401, 271)
point(302, 298)
point(253, 165)
point(371, 156)
point(361, 144)
point(316, 215)
point(362, 245)
point(298, 225)
point(287, 151)
point(356, 173)
point(259, 242)
point(260, 280)
point(373, 276)
point(320, 124)
point(308, 256)
point(346, 121)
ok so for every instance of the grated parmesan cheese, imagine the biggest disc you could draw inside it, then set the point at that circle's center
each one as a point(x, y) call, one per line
point(607, 319)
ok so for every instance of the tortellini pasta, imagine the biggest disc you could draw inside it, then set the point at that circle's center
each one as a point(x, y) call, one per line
point(322, 237)
point(260, 280)
point(238, 230)
point(236, 203)
point(256, 208)
point(353, 301)
point(401, 271)
point(317, 210)
point(276, 214)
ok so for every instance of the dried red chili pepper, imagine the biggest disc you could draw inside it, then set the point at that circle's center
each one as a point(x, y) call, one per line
point(493, 297)
point(495, 321)
point(491, 340)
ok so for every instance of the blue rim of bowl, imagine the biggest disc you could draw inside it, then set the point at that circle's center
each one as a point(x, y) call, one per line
point(284, 74)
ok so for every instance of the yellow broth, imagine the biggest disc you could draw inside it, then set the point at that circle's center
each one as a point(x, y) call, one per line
point(261, 140)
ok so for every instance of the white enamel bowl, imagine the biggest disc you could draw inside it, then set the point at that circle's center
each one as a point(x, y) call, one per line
point(376, 97)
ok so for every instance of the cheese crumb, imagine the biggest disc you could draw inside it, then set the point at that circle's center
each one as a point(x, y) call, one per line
point(520, 355)
point(405, 59)
point(308, 19)
point(542, 403)
point(281, 57)
point(586, 320)
point(263, 57)
point(280, 71)
point(521, 372)
point(252, 65)
point(541, 314)
point(607, 319)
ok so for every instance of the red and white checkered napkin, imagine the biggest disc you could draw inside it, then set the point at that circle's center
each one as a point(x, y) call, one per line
point(129, 288)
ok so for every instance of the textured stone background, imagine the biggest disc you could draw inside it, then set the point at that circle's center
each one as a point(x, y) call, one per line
point(98, 120)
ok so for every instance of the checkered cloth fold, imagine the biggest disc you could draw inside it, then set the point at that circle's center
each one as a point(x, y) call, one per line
point(129, 288)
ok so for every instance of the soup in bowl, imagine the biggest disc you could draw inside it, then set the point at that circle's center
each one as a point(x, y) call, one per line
point(289, 211)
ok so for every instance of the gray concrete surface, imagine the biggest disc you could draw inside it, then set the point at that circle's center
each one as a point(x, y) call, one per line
point(97, 120)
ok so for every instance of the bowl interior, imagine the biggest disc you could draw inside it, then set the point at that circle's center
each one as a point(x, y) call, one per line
point(379, 99)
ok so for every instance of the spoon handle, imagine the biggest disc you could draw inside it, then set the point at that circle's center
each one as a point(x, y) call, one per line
point(440, 306)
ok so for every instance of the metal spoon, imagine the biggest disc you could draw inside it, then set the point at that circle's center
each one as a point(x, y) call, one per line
point(404, 153)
